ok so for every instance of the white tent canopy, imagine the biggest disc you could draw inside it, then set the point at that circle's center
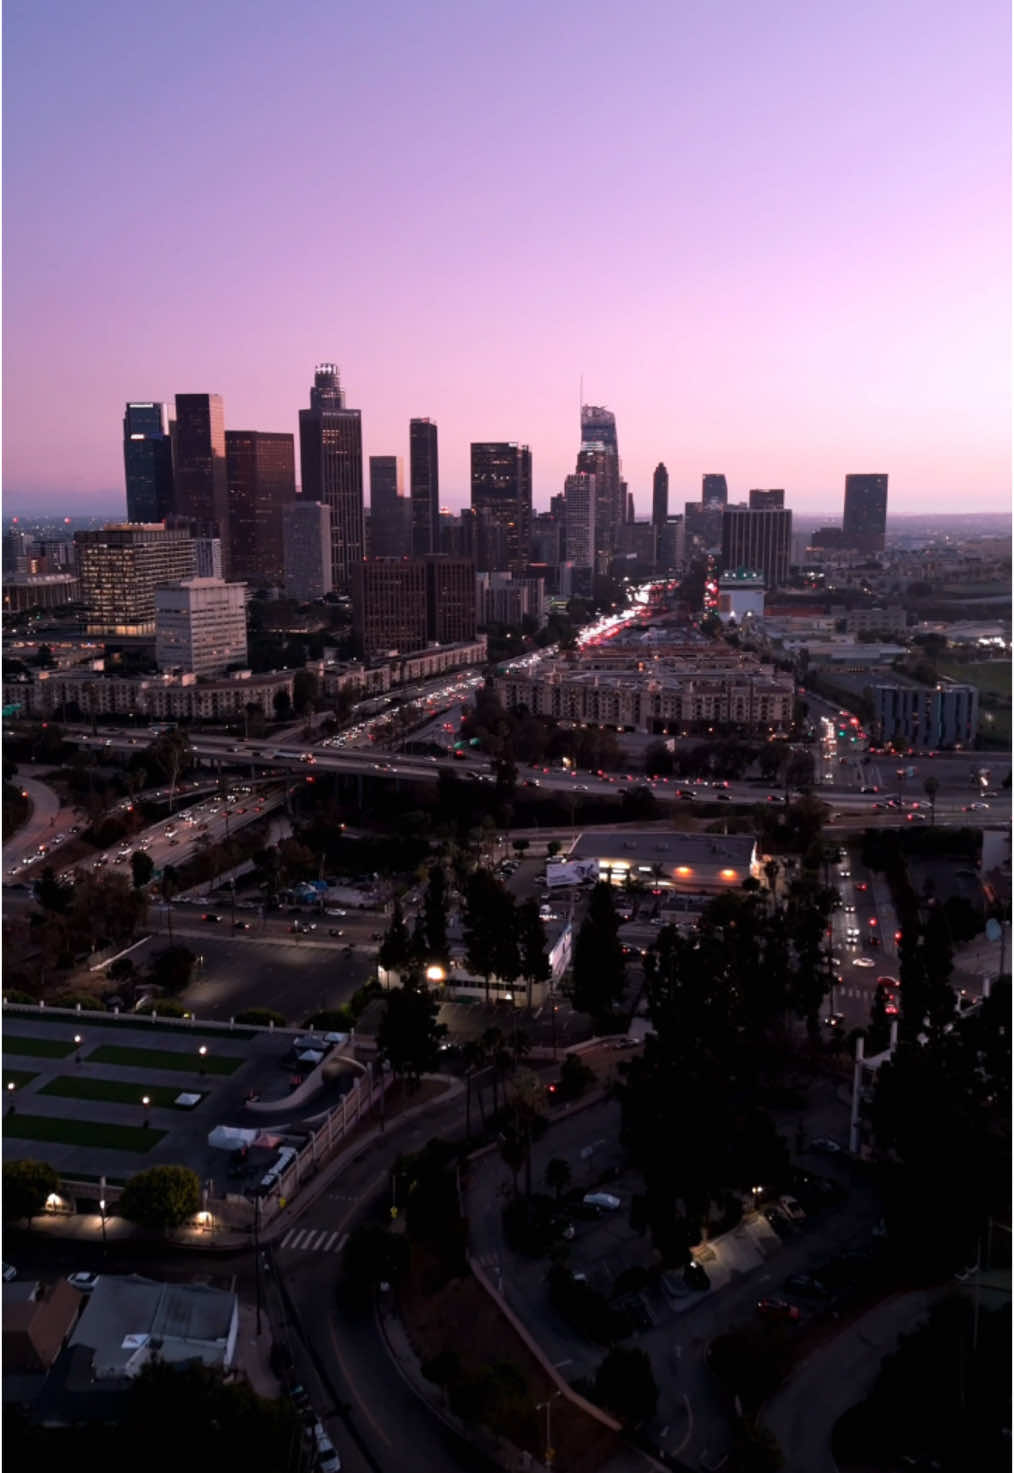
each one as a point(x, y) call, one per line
point(231, 1137)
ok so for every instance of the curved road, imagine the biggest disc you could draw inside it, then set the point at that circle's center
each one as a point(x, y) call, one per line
point(41, 821)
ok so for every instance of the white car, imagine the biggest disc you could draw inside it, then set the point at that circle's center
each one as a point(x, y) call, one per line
point(605, 1201)
point(83, 1283)
point(10, 1273)
point(862, 961)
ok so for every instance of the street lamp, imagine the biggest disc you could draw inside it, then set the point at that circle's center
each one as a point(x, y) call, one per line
point(203, 1053)
point(77, 1045)
point(435, 974)
point(547, 1407)
point(146, 1101)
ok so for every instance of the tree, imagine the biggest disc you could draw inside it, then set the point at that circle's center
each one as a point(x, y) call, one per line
point(490, 929)
point(534, 962)
point(434, 913)
point(878, 1034)
point(261, 1018)
point(142, 867)
point(373, 1255)
point(173, 968)
point(27, 1184)
point(553, 848)
point(409, 1035)
point(473, 1057)
point(557, 1176)
point(161, 1198)
point(520, 846)
point(396, 948)
point(626, 1386)
point(931, 786)
point(575, 1077)
point(599, 975)
point(282, 703)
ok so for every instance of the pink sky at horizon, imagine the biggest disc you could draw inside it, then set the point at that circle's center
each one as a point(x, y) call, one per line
point(775, 241)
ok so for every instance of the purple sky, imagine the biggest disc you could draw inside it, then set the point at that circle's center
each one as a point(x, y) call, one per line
point(775, 239)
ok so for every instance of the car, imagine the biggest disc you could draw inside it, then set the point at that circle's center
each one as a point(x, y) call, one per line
point(863, 961)
point(241, 926)
point(212, 916)
point(335, 912)
point(779, 1222)
point(791, 1208)
point(695, 1276)
point(849, 909)
point(82, 1282)
point(805, 1284)
point(10, 1273)
point(845, 874)
point(604, 1201)
point(777, 1309)
point(825, 1145)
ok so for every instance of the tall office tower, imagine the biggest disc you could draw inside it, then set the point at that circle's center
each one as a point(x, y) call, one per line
point(714, 491)
point(17, 548)
point(670, 553)
point(627, 499)
point(390, 511)
point(306, 549)
point(502, 494)
point(200, 626)
point(865, 521)
point(389, 605)
point(767, 500)
point(207, 557)
point(200, 481)
point(261, 471)
point(450, 600)
point(547, 537)
point(581, 493)
point(702, 522)
point(659, 496)
point(424, 486)
point(331, 462)
point(599, 456)
point(758, 541)
point(120, 568)
point(147, 463)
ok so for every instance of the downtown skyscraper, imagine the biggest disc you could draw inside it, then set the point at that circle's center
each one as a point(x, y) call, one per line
point(599, 456)
point(864, 524)
point(147, 462)
point(331, 463)
point(502, 500)
point(261, 470)
point(200, 481)
point(424, 487)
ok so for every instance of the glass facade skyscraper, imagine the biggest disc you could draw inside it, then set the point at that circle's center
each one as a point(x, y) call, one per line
point(502, 496)
point(331, 463)
point(200, 483)
point(147, 462)
point(424, 487)
point(864, 524)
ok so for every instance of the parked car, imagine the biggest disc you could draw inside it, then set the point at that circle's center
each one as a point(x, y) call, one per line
point(791, 1208)
point(82, 1282)
point(777, 1309)
point(10, 1273)
point(805, 1284)
point(695, 1276)
point(604, 1201)
point(779, 1222)
point(825, 1145)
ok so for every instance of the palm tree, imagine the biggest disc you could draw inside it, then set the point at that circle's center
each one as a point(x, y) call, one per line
point(931, 787)
point(557, 1176)
point(474, 1058)
point(492, 1045)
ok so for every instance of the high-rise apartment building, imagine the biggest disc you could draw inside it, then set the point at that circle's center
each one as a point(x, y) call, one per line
point(714, 490)
point(261, 472)
point(502, 494)
point(200, 481)
point(659, 497)
point(331, 462)
point(147, 462)
point(450, 600)
point(200, 626)
point(767, 500)
point(599, 456)
point(864, 523)
point(424, 486)
point(390, 511)
point(306, 549)
point(581, 493)
point(207, 557)
point(547, 534)
point(120, 568)
point(407, 603)
point(758, 540)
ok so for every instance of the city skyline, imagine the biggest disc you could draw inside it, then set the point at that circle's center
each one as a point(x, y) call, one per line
point(799, 269)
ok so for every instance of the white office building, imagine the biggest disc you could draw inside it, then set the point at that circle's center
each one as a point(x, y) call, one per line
point(200, 626)
point(306, 550)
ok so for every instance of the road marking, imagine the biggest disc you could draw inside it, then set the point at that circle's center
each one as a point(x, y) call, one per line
point(294, 1239)
point(341, 1242)
point(318, 1238)
point(330, 1243)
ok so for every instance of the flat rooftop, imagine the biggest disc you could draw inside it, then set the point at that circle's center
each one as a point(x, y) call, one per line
point(652, 846)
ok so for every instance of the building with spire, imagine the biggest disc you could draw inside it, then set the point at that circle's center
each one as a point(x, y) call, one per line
point(331, 465)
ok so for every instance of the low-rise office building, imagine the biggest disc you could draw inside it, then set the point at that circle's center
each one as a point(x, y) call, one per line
point(942, 715)
point(687, 864)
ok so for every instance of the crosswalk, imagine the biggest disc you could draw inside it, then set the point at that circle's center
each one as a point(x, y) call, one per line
point(314, 1240)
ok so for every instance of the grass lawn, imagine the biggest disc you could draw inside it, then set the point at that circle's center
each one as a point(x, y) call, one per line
point(992, 675)
point(42, 1048)
point(137, 1021)
point(80, 1132)
point(153, 1058)
point(76, 1087)
point(18, 1077)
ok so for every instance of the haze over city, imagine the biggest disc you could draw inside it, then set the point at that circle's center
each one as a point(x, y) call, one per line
point(775, 243)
